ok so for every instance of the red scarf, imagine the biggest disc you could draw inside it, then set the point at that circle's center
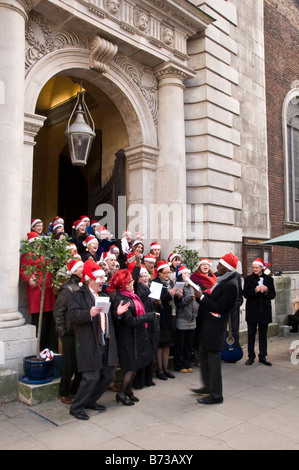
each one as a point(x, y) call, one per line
point(139, 308)
point(206, 280)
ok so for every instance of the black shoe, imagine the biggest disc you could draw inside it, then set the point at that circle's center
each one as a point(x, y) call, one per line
point(210, 400)
point(97, 407)
point(169, 375)
point(132, 397)
point(263, 360)
point(124, 400)
point(79, 414)
point(150, 384)
point(200, 391)
point(161, 376)
point(249, 362)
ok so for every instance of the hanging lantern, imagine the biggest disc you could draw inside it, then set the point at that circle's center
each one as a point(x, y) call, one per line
point(80, 134)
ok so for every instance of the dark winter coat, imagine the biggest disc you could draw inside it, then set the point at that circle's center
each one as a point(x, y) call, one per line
point(87, 332)
point(62, 323)
point(153, 326)
point(220, 303)
point(167, 313)
point(258, 305)
point(134, 347)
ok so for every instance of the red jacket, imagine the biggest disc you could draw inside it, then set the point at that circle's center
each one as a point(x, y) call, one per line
point(34, 293)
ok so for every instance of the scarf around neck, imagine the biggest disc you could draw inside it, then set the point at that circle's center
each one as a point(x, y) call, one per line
point(223, 278)
point(206, 280)
point(139, 308)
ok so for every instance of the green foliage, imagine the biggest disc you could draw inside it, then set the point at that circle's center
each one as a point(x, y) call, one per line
point(48, 256)
point(190, 258)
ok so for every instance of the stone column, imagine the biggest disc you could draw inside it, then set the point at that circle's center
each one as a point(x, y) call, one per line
point(12, 47)
point(32, 124)
point(171, 165)
point(142, 166)
point(12, 50)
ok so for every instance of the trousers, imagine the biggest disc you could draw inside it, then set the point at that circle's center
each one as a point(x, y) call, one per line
point(93, 384)
point(210, 366)
point(251, 330)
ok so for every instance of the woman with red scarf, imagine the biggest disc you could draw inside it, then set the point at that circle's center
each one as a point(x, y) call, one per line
point(134, 347)
point(205, 279)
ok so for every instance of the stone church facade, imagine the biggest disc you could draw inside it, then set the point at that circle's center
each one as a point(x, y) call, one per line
point(178, 85)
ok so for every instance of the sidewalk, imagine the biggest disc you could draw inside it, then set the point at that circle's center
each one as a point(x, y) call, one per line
point(260, 412)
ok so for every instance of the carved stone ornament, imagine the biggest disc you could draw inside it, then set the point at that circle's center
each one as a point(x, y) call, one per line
point(144, 78)
point(43, 37)
point(113, 6)
point(102, 51)
point(141, 21)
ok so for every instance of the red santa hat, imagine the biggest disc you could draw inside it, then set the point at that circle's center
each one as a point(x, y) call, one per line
point(73, 265)
point(150, 257)
point(57, 224)
point(35, 221)
point(93, 223)
point(183, 269)
point(155, 245)
point(32, 236)
point(230, 261)
point(126, 232)
point(107, 255)
point(139, 239)
point(143, 270)
point(172, 256)
point(58, 220)
point(260, 262)
point(114, 249)
point(85, 218)
point(205, 261)
point(91, 270)
point(78, 224)
point(162, 264)
point(89, 240)
point(131, 257)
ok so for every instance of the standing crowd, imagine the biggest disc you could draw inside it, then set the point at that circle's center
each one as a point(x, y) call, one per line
point(120, 307)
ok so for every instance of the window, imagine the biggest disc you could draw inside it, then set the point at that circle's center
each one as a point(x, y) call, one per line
point(251, 249)
point(291, 148)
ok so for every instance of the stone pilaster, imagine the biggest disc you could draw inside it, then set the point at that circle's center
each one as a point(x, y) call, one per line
point(142, 167)
point(171, 165)
point(13, 14)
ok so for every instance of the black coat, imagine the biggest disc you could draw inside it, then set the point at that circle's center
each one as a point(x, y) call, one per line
point(153, 326)
point(258, 305)
point(167, 315)
point(134, 347)
point(220, 302)
point(87, 331)
point(62, 324)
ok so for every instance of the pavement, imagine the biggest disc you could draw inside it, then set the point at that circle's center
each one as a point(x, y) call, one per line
point(260, 412)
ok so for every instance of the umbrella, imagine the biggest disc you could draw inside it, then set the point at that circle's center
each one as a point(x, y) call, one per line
point(289, 239)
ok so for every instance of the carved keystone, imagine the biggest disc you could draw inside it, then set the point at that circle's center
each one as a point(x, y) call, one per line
point(101, 52)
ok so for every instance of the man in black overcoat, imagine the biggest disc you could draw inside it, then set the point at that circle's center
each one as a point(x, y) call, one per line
point(258, 291)
point(215, 308)
point(95, 341)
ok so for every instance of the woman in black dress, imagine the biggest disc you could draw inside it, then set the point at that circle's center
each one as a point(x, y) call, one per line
point(167, 310)
point(134, 347)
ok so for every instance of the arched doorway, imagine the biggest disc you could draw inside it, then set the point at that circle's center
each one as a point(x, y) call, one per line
point(124, 108)
point(59, 188)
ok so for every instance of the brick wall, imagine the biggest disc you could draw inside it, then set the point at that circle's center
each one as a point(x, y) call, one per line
point(281, 28)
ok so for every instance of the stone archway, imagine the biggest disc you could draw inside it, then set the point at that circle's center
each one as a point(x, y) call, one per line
point(123, 91)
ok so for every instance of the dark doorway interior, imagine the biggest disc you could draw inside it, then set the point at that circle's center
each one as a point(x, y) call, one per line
point(72, 193)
